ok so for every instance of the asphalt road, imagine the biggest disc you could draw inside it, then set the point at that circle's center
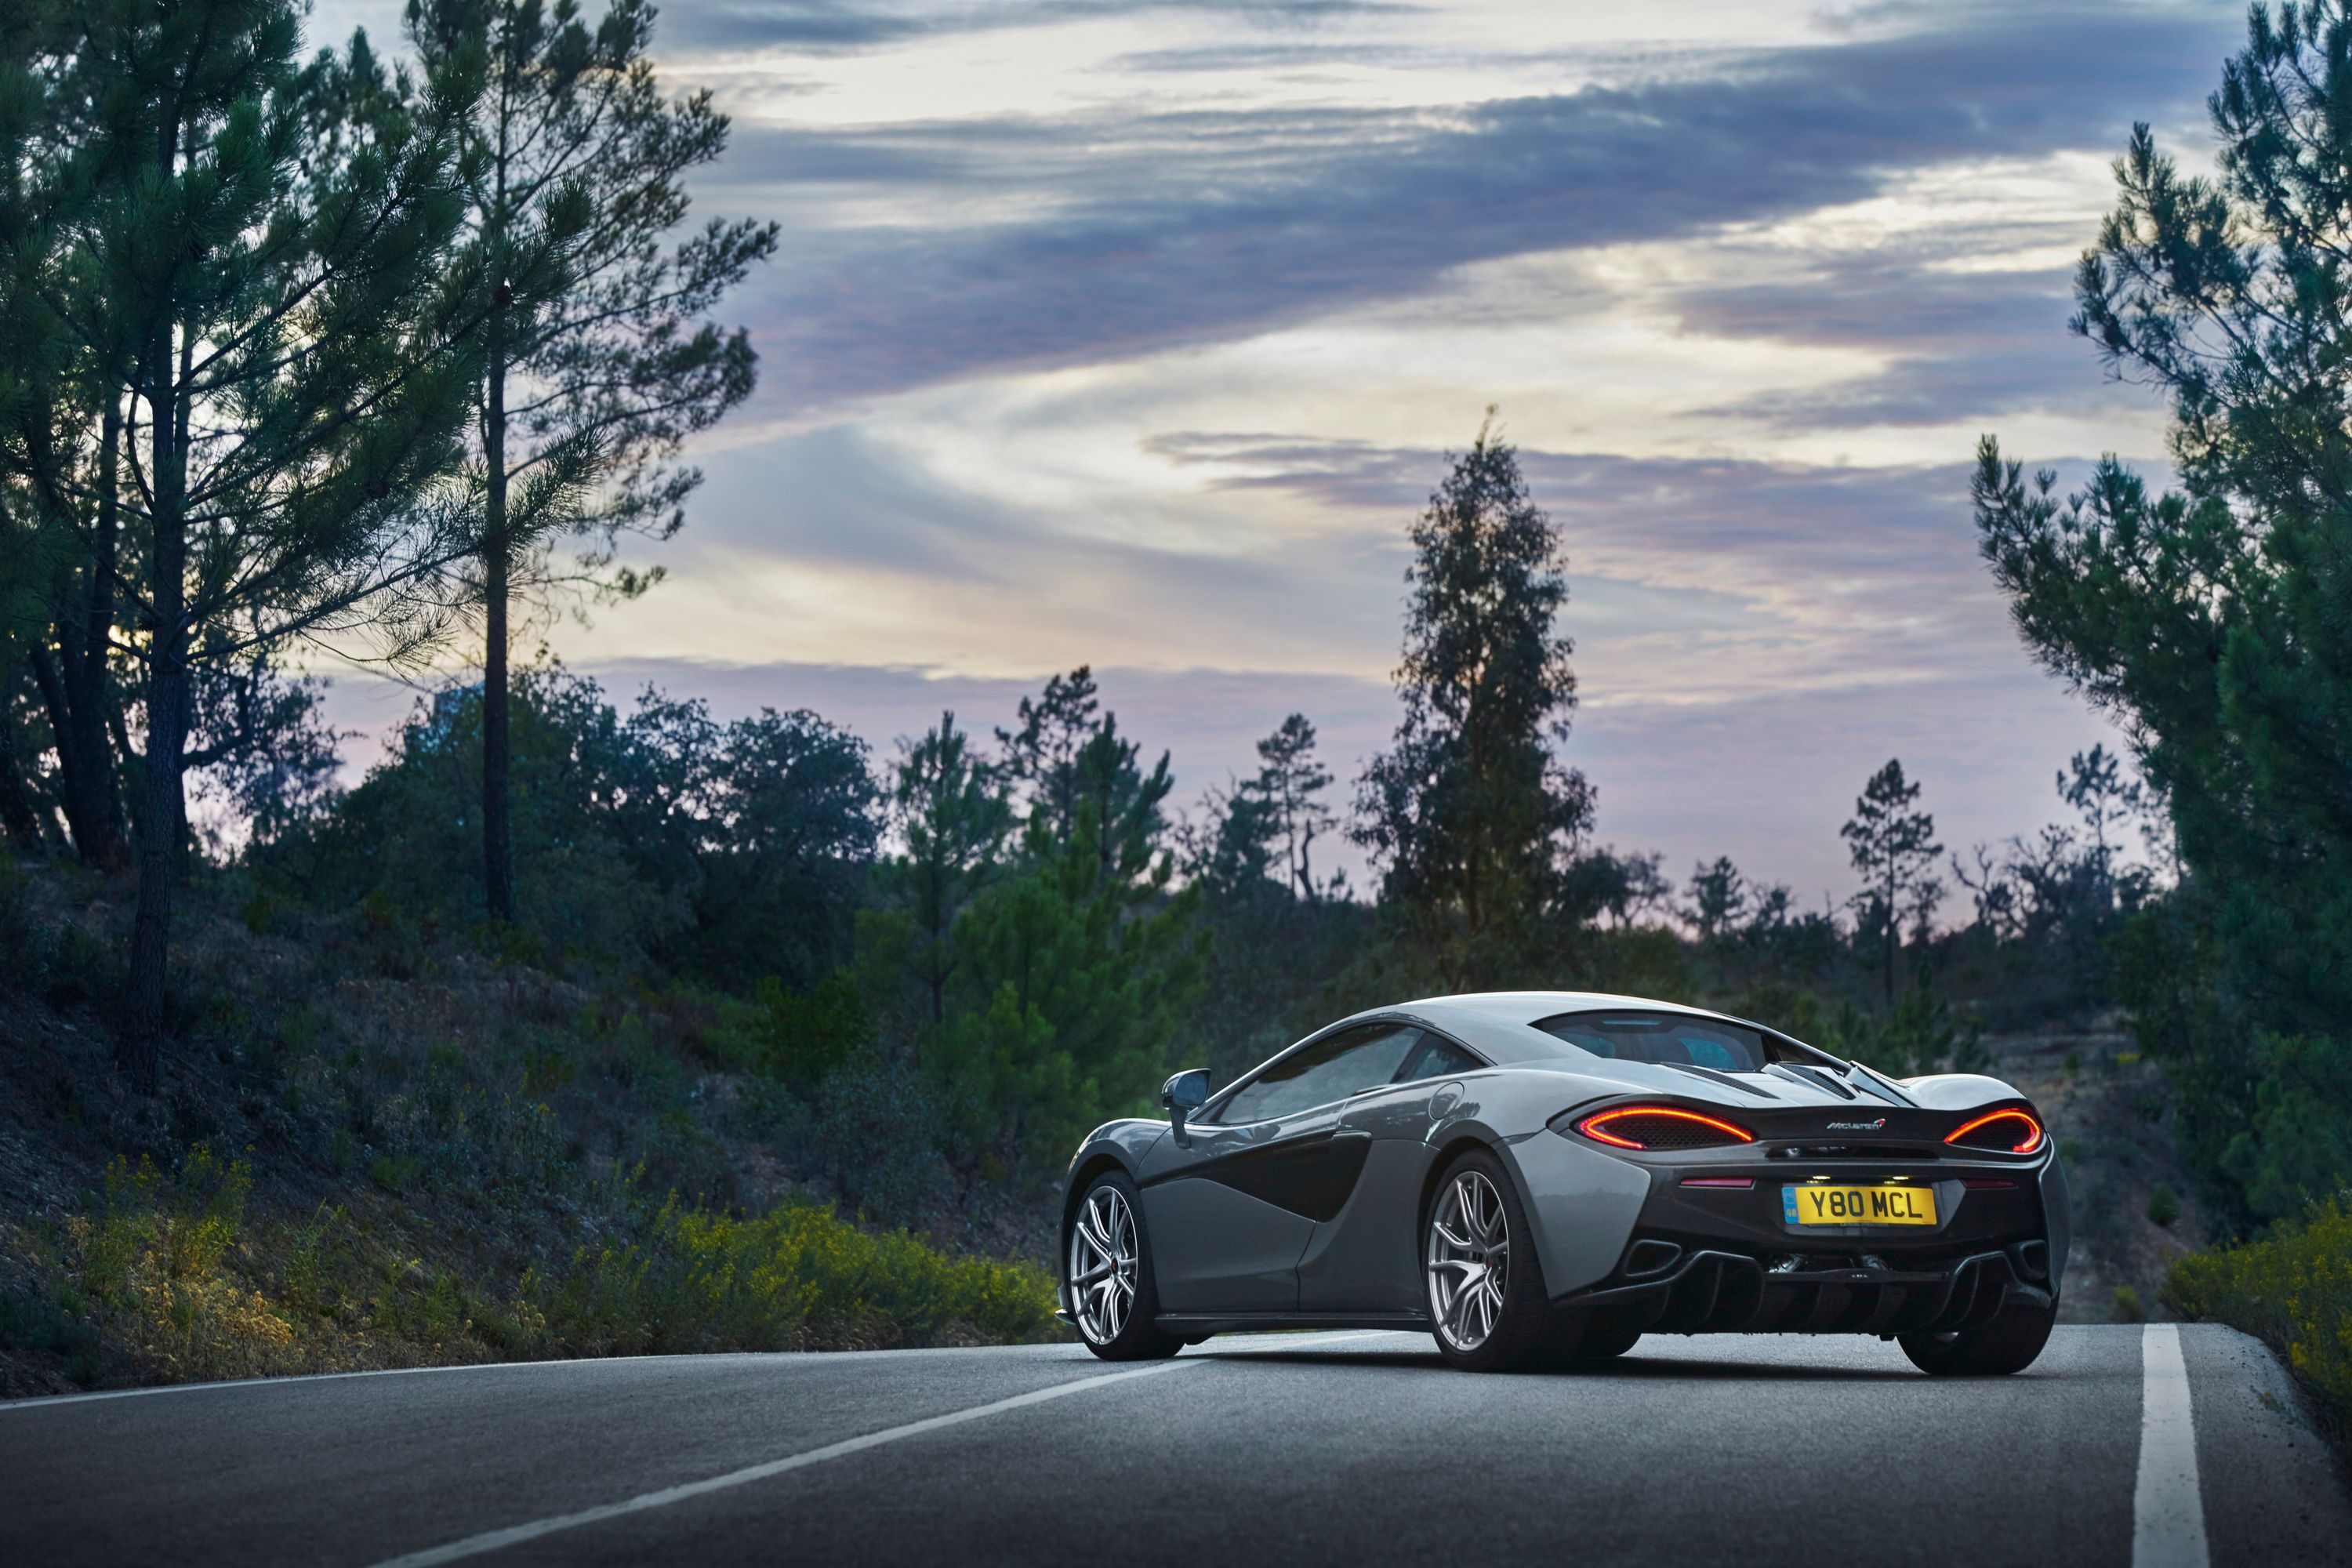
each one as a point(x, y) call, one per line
point(1341, 1448)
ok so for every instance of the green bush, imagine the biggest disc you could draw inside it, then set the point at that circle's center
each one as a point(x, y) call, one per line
point(2292, 1289)
point(795, 1278)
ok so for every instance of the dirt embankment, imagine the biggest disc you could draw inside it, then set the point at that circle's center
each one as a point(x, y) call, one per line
point(2134, 1205)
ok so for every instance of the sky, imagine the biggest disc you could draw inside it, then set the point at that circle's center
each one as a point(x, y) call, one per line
point(1136, 335)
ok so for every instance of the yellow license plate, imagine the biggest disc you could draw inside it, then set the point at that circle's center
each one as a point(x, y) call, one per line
point(1858, 1206)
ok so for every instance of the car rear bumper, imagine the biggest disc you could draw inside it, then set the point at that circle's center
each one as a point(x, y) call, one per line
point(1710, 1245)
point(1709, 1290)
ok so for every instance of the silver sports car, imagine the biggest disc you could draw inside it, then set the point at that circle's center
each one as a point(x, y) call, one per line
point(1540, 1178)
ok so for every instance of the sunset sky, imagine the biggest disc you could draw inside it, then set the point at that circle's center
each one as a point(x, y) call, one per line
point(1136, 335)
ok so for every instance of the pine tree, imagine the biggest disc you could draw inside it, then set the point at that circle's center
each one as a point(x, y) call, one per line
point(1893, 847)
point(1290, 782)
point(2208, 619)
point(955, 821)
point(588, 388)
point(2094, 785)
point(1041, 757)
point(1719, 900)
point(1074, 984)
point(1470, 813)
point(1075, 967)
point(250, 262)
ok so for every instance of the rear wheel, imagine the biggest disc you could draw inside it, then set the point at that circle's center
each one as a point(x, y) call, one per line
point(1485, 1288)
point(1113, 1296)
point(2008, 1342)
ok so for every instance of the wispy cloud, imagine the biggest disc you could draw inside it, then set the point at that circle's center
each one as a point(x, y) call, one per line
point(1154, 230)
point(820, 25)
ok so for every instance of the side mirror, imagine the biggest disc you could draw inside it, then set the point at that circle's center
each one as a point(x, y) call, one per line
point(1182, 1095)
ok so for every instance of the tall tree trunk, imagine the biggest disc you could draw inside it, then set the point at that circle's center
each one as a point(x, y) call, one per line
point(138, 1047)
point(162, 810)
point(497, 826)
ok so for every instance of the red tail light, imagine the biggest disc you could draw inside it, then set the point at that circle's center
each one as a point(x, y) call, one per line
point(1661, 1127)
point(2012, 1130)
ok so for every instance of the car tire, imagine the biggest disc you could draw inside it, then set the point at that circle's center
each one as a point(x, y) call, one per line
point(1473, 1220)
point(1604, 1341)
point(1107, 1274)
point(2008, 1342)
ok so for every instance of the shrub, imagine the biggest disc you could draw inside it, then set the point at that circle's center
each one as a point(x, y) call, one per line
point(2292, 1289)
point(155, 1256)
point(2163, 1208)
point(795, 1278)
point(2127, 1305)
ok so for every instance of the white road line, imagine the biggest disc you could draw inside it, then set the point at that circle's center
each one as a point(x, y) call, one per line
point(777, 1358)
point(494, 1539)
point(2168, 1509)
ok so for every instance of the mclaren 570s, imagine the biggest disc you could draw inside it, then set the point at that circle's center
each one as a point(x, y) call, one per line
point(1540, 1178)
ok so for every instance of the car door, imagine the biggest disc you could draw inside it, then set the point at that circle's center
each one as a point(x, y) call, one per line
point(1231, 1208)
point(1365, 1257)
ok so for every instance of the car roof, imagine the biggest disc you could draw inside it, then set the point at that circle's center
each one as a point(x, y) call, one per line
point(1502, 1023)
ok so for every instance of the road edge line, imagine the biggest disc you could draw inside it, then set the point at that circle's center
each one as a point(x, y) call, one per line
point(779, 1358)
point(2167, 1501)
point(514, 1535)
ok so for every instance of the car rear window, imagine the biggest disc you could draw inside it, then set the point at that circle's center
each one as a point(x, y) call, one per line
point(1669, 1038)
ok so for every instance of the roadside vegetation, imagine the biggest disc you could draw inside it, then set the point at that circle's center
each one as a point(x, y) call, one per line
point(471, 1160)
point(2292, 1289)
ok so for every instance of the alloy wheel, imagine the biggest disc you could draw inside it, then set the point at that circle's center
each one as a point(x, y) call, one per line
point(1103, 1265)
point(1469, 1258)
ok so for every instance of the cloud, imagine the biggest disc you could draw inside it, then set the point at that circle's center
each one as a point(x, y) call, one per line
point(1959, 343)
point(839, 542)
point(1693, 580)
point(834, 27)
point(1150, 230)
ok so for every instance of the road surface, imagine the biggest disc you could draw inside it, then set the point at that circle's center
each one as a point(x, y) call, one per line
point(1354, 1448)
